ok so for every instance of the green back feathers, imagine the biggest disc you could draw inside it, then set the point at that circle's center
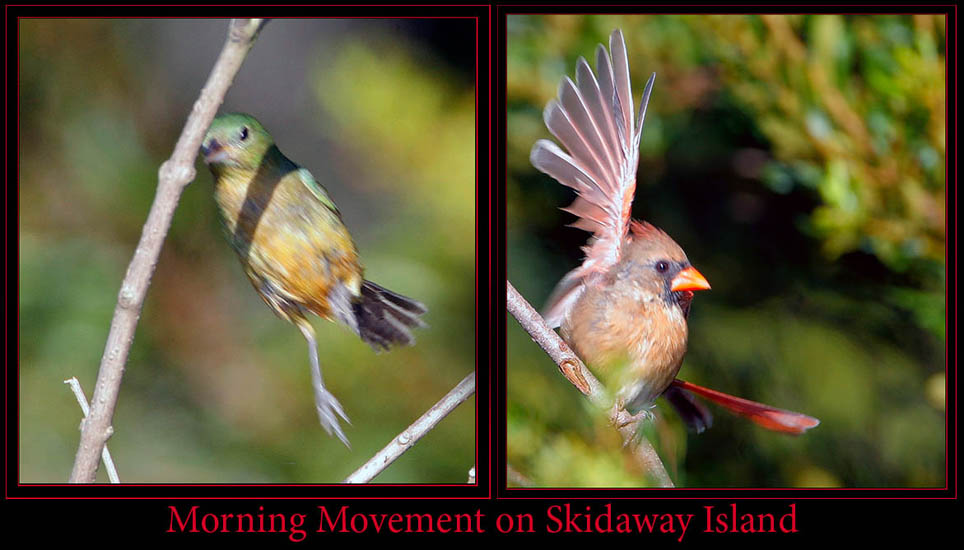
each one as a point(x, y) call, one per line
point(317, 189)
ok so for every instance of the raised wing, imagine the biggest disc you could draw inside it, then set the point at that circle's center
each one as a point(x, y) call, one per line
point(593, 119)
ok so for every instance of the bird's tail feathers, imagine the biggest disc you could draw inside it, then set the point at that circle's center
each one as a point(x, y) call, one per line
point(771, 418)
point(696, 417)
point(384, 318)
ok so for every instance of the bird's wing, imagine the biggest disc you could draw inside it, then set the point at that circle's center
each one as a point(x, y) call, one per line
point(563, 297)
point(593, 119)
point(316, 189)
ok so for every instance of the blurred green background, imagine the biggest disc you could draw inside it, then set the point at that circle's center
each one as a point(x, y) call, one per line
point(799, 161)
point(217, 388)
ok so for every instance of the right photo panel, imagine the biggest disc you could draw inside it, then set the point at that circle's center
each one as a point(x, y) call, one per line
point(731, 231)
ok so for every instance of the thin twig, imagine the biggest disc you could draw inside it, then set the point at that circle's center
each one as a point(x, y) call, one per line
point(82, 401)
point(173, 177)
point(576, 372)
point(405, 440)
point(513, 476)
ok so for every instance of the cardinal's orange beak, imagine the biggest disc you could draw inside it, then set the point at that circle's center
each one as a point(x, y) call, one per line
point(689, 279)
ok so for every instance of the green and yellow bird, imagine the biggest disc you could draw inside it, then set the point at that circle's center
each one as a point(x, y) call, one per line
point(296, 250)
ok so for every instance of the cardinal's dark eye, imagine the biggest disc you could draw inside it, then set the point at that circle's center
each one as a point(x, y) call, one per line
point(662, 266)
point(244, 133)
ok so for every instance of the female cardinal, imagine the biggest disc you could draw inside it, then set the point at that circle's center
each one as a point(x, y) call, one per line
point(623, 311)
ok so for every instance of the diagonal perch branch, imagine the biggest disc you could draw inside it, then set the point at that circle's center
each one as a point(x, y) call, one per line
point(173, 177)
point(405, 440)
point(85, 408)
point(576, 372)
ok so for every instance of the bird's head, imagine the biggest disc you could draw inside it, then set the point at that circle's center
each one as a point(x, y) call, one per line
point(235, 140)
point(654, 260)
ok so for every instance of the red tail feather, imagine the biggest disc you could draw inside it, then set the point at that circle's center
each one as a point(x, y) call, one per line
point(769, 417)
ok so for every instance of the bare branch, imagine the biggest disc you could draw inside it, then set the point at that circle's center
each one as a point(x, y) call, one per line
point(82, 401)
point(569, 363)
point(405, 440)
point(173, 177)
point(513, 476)
point(579, 376)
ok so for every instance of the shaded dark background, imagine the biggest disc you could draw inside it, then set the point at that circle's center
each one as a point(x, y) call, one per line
point(217, 388)
point(800, 162)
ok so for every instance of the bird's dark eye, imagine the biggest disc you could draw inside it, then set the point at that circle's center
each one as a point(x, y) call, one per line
point(662, 266)
point(244, 133)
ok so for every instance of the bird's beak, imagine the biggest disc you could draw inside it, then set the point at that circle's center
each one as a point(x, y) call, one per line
point(689, 279)
point(213, 151)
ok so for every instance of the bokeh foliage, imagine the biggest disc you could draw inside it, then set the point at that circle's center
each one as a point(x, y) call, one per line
point(800, 161)
point(217, 388)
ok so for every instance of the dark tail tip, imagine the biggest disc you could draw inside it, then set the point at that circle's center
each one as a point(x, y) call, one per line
point(385, 319)
point(696, 417)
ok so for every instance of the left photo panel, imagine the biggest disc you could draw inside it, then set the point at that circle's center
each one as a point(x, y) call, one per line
point(305, 311)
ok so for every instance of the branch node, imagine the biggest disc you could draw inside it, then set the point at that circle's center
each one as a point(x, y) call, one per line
point(571, 371)
point(176, 172)
point(127, 300)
